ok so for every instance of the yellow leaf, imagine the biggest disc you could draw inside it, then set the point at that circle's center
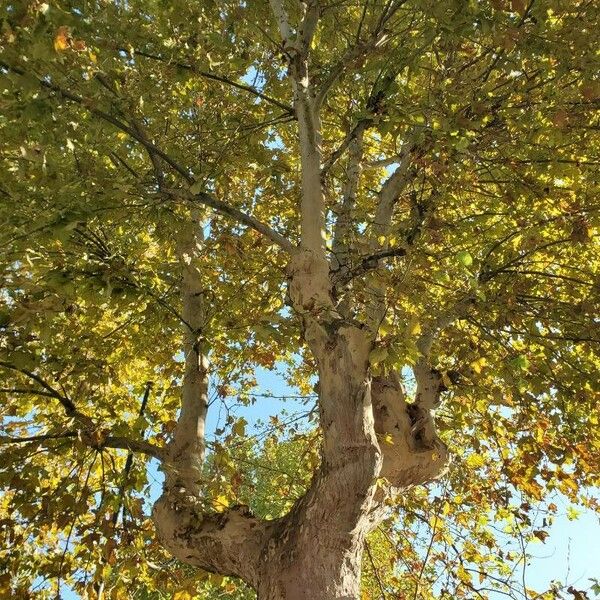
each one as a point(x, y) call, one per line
point(239, 428)
point(478, 364)
point(385, 327)
point(414, 327)
point(463, 574)
point(377, 355)
point(183, 595)
point(220, 503)
point(446, 380)
point(61, 41)
point(475, 461)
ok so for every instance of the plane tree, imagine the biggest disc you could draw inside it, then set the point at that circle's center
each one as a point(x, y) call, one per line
point(393, 204)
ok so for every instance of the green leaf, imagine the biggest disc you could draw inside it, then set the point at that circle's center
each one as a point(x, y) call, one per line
point(521, 362)
point(196, 187)
point(377, 355)
point(464, 258)
point(239, 427)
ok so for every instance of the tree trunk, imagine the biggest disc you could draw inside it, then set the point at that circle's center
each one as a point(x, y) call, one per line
point(315, 551)
point(322, 573)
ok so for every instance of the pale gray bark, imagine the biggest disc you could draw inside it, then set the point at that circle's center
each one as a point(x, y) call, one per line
point(343, 224)
point(314, 551)
point(186, 450)
point(312, 212)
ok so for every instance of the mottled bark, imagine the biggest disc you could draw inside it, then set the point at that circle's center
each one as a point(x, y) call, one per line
point(369, 429)
point(228, 543)
point(412, 451)
point(316, 550)
point(185, 453)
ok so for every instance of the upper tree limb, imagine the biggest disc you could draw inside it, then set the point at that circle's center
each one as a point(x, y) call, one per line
point(297, 47)
point(89, 431)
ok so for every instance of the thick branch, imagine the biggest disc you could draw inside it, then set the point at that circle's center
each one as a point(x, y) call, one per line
point(389, 192)
point(154, 151)
point(139, 446)
point(312, 208)
point(381, 226)
point(228, 543)
point(444, 319)
point(308, 25)
point(357, 53)
point(409, 456)
point(186, 451)
point(374, 106)
point(312, 214)
point(356, 134)
point(430, 384)
point(213, 76)
point(369, 263)
point(232, 212)
point(119, 442)
point(154, 158)
point(27, 391)
point(343, 223)
point(282, 20)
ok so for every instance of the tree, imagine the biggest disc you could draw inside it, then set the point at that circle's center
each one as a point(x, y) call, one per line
point(393, 201)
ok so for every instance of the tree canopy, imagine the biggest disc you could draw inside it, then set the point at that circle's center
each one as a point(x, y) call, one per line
point(153, 149)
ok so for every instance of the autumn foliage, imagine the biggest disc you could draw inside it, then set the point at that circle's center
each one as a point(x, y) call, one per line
point(125, 127)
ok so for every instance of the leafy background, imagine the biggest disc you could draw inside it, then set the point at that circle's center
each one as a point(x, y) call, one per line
point(90, 279)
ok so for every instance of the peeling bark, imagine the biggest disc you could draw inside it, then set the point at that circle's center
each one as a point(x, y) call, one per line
point(228, 543)
point(316, 550)
point(309, 285)
point(301, 562)
point(185, 453)
point(369, 429)
point(412, 451)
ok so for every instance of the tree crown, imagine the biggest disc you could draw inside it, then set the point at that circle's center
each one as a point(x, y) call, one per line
point(454, 212)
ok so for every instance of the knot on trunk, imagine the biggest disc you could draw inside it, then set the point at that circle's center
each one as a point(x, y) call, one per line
point(183, 464)
point(412, 452)
point(309, 284)
point(228, 542)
